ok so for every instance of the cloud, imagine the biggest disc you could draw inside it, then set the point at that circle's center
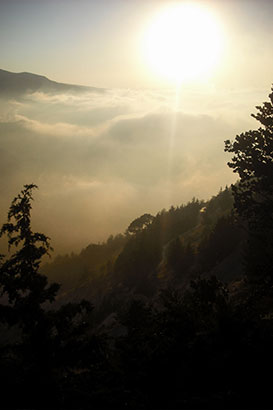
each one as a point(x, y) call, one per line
point(101, 160)
point(58, 129)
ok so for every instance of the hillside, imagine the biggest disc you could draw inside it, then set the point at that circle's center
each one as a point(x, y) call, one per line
point(175, 313)
point(12, 84)
point(174, 247)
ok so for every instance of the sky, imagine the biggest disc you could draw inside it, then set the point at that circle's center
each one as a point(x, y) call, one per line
point(149, 140)
point(100, 43)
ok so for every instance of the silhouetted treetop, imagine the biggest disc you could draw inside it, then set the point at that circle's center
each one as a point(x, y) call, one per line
point(253, 194)
point(140, 223)
point(253, 161)
point(19, 277)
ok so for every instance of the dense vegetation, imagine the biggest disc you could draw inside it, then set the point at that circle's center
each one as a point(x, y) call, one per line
point(175, 313)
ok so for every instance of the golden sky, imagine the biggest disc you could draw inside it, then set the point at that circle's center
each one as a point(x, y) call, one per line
point(103, 43)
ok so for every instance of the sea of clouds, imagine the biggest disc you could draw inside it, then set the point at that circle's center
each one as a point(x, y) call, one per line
point(103, 158)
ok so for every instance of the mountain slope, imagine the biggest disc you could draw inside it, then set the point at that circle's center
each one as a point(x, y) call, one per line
point(199, 238)
point(12, 84)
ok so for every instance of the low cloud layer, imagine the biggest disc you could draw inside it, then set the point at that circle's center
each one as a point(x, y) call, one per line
point(102, 159)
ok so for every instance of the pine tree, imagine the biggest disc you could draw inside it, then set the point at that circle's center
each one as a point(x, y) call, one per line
point(253, 161)
point(253, 194)
point(20, 279)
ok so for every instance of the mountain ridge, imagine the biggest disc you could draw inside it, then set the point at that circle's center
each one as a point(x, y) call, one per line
point(12, 84)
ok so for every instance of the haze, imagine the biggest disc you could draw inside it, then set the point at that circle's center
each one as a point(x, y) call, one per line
point(136, 143)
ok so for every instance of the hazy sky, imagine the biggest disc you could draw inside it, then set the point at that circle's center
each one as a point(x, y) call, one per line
point(100, 43)
point(102, 159)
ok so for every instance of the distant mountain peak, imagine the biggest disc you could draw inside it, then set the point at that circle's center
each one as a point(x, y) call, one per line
point(16, 84)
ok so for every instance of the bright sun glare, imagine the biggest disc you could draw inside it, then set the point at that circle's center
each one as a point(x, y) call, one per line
point(183, 43)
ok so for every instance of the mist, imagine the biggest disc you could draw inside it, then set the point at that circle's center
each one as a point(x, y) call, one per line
point(101, 159)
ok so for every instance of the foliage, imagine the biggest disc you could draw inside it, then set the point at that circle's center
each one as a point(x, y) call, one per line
point(198, 349)
point(138, 263)
point(188, 341)
point(140, 223)
point(253, 161)
point(180, 257)
point(222, 241)
point(253, 194)
point(25, 287)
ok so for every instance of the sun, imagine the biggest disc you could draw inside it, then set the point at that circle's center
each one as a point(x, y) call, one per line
point(183, 43)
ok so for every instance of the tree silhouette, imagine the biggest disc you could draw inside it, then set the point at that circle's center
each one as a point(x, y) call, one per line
point(50, 340)
point(180, 257)
point(253, 161)
point(20, 280)
point(253, 194)
point(140, 223)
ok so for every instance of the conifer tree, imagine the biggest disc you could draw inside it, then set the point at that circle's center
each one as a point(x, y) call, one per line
point(253, 194)
point(253, 161)
point(20, 279)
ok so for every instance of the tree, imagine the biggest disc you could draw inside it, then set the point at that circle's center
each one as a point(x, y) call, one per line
point(180, 257)
point(253, 161)
point(51, 344)
point(253, 194)
point(140, 223)
point(20, 279)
